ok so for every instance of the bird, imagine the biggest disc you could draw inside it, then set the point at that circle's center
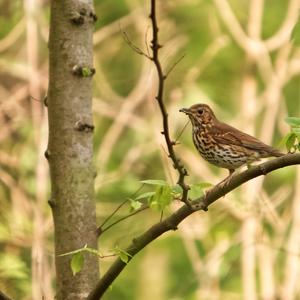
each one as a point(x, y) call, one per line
point(223, 145)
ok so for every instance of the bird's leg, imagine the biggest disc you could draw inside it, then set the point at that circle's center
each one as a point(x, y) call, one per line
point(227, 180)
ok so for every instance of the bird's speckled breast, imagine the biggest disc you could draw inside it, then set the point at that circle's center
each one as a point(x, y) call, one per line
point(224, 156)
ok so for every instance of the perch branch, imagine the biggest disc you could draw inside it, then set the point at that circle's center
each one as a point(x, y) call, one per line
point(171, 222)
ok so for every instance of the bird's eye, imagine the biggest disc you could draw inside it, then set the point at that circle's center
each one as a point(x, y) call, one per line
point(200, 111)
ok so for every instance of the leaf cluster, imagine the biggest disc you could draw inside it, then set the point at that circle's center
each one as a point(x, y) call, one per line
point(292, 139)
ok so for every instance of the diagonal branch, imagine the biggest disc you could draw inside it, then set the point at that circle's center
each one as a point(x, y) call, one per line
point(101, 230)
point(4, 297)
point(134, 47)
point(171, 222)
point(284, 32)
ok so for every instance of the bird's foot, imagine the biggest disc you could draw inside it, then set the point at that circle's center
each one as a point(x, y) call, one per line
point(225, 182)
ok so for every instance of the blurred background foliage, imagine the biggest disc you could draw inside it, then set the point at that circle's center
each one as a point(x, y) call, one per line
point(242, 58)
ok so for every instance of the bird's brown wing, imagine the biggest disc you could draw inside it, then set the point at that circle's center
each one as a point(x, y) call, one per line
point(226, 134)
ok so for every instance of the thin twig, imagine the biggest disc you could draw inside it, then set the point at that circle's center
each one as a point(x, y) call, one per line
point(107, 256)
point(112, 214)
point(155, 46)
point(135, 48)
point(44, 101)
point(35, 99)
point(174, 65)
point(168, 167)
point(4, 297)
point(181, 132)
point(99, 229)
point(146, 41)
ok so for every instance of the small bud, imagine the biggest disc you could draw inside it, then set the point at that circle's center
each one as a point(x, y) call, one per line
point(80, 126)
point(77, 18)
point(47, 154)
point(93, 16)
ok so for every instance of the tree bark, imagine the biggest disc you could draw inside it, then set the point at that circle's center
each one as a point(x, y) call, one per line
point(70, 149)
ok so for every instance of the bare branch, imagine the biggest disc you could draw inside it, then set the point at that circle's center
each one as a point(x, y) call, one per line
point(100, 230)
point(283, 35)
point(110, 29)
point(133, 46)
point(155, 46)
point(4, 297)
point(11, 38)
point(235, 28)
point(175, 64)
point(181, 131)
point(146, 41)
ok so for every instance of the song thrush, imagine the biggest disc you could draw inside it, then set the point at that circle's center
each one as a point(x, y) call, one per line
point(222, 145)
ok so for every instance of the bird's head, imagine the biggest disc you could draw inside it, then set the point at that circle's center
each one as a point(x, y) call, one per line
point(199, 114)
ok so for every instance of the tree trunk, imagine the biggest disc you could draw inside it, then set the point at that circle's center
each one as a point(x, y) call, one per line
point(70, 149)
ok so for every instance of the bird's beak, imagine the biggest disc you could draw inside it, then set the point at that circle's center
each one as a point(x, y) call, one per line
point(185, 110)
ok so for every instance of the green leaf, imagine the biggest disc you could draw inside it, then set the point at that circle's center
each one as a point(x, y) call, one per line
point(284, 139)
point(145, 195)
point(176, 189)
point(124, 256)
point(293, 121)
point(196, 190)
point(135, 204)
point(290, 142)
point(204, 185)
point(77, 263)
point(296, 130)
point(86, 72)
point(162, 198)
point(154, 182)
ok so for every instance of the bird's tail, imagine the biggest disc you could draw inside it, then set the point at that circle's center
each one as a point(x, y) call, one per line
point(276, 152)
point(268, 151)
